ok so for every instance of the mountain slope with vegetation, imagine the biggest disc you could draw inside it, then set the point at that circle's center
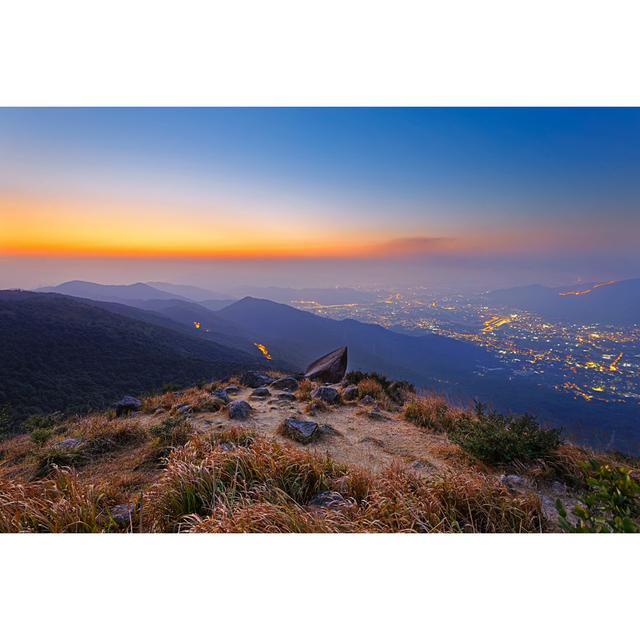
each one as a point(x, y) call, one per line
point(366, 455)
point(61, 354)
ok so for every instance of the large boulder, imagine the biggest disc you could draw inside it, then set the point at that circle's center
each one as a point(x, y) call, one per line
point(329, 368)
point(327, 394)
point(303, 431)
point(239, 410)
point(127, 405)
point(255, 379)
point(287, 383)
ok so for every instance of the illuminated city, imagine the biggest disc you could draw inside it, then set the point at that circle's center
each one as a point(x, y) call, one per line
point(591, 362)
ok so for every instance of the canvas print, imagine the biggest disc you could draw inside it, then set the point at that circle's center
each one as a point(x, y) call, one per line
point(319, 320)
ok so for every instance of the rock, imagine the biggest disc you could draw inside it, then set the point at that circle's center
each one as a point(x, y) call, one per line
point(239, 410)
point(285, 395)
point(227, 446)
point(184, 407)
point(328, 500)
point(303, 431)
point(376, 414)
point(350, 393)
point(123, 513)
point(515, 482)
point(329, 368)
point(420, 465)
point(68, 443)
point(127, 405)
point(327, 394)
point(221, 394)
point(255, 379)
point(558, 487)
point(288, 383)
point(367, 400)
point(261, 392)
point(158, 411)
point(232, 388)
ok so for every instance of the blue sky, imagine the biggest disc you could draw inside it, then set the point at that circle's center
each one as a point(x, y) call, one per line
point(455, 186)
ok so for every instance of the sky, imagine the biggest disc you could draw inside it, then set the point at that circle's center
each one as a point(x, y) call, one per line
point(463, 198)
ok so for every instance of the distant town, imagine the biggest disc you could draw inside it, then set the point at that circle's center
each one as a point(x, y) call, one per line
point(591, 362)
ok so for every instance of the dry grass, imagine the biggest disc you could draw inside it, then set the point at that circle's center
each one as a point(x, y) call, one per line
point(305, 387)
point(315, 405)
point(370, 387)
point(62, 504)
point(431, 412)
point(265, 486)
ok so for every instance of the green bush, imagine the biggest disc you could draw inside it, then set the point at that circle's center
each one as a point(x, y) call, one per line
point(42, 421)
point(498, 439)
point(41, 435)
point(611, 505)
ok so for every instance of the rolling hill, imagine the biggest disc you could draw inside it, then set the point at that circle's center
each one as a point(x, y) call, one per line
point(604, 302)
point(61, 353)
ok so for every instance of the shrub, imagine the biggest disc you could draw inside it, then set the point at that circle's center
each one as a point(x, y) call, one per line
point(6, 421)
point(50, 458)
point(41, 435)
point(430, 412)
point(497, 439)
point(173, 431)
point(305, 387)
point(611, 505)
point(42, 421)
point(396, 390)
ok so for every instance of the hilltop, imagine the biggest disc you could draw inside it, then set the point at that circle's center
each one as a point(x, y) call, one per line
point(299, 456)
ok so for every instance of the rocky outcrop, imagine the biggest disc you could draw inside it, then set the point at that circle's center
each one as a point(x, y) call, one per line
point(303, 431)
point(239, 410)
point(326, 394)
point(127, 405)
point(329, 368)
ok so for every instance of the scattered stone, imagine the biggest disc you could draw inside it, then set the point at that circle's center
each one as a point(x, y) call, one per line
point(255, 379)
point(558, 487)
point(227, 446)
point(68, 443)
point(123, 513)
point(328, 430)
point(329, 368)
point(232, 388)
point(328, 500)
point(288, 383)
point(285, 395)
point(327, 394)
point(221, 394)
point(376, 414)
point(420, 465)
point(127, 405)
point(303, 431)
point(261, 392)
point(367, 400)
point(239, 410)
point(158, 410)
point(184, 407)
point(515, 482)
point(350, 393)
